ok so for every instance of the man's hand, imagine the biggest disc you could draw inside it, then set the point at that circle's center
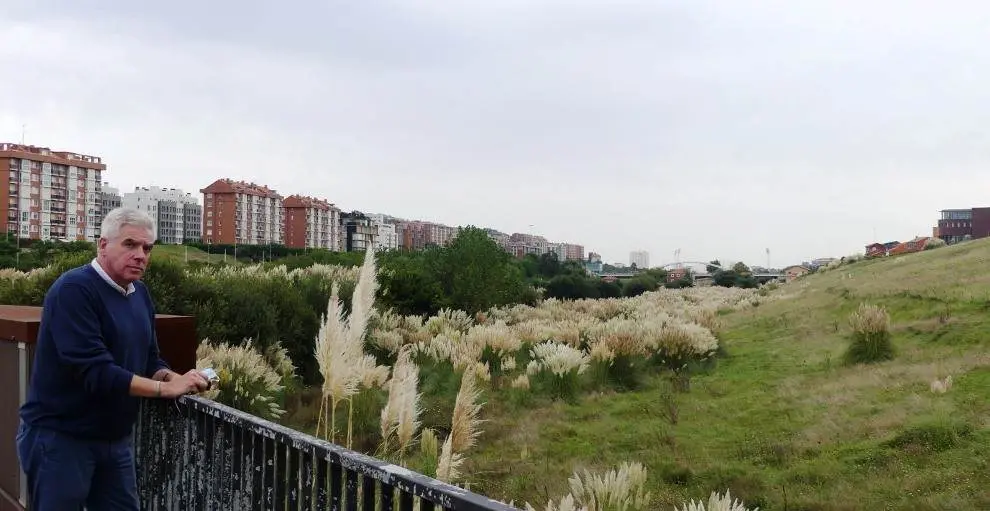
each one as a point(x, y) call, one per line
point(179, 385)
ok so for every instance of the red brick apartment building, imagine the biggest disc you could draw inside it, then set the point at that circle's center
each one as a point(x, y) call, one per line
point(311, 223)
point(417, 235)
point(573, 252)
point(236, 212)
point(51, 194)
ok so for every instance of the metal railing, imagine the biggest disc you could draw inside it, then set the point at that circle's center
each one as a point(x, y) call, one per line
point(193, 453)
point(15, 358)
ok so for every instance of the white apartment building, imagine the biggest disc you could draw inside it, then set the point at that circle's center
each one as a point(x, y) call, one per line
point(388, 237)
point(640, 258)
point(177, 215)
point(111, 198)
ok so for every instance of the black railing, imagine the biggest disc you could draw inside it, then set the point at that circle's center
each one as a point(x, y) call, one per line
point(194, 453)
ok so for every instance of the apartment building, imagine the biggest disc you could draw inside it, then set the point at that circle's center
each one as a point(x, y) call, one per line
point(500, 238)
point(957, 225)
point(417, 235)
point(311, 223)
point(521, 244)
point(110, 198)
point(359, 231)
point(51, 195)
point(573, 252)
point(178, 215)
point(640, 258)
point(388, 237)
point(237, 212)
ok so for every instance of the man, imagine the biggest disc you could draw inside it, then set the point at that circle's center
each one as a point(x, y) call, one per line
point(96, 354)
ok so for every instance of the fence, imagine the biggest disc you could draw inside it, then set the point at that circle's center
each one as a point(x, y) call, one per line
point(18, 329)
point(193, 453)
point(197, 454)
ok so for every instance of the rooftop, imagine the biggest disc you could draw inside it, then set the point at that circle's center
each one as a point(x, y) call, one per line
point(227, 185)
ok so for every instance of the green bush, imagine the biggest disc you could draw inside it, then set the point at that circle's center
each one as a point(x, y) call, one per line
point(935, 435)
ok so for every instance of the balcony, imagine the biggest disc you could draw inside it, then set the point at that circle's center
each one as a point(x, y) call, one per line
point(193, 453)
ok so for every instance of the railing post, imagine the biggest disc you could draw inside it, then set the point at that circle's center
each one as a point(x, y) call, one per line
point(22, 386)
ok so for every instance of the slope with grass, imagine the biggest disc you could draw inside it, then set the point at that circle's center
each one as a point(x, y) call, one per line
point(781, 421)
point(183, 253)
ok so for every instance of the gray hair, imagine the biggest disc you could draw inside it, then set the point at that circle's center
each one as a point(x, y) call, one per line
point(119, 217)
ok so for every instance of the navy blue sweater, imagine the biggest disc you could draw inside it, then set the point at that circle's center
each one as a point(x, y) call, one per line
point(91, 341)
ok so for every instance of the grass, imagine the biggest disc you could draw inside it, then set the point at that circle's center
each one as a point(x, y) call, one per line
point(781, 421)
point(181, 252)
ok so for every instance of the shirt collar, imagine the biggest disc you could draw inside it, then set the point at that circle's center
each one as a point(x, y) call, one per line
point(99, 269)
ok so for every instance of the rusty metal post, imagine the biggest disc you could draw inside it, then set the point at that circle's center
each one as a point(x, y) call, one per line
point(22, 384)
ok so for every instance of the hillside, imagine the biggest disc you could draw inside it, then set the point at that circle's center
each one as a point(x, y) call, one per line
point(181, 252)
point(780, 421)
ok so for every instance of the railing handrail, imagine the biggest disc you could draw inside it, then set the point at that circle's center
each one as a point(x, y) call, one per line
point(440, 493)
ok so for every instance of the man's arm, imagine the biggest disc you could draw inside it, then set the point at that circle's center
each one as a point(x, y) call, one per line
point(144, 387)
point(75, 328)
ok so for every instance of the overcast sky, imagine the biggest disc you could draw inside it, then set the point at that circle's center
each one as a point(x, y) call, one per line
point(720, 128)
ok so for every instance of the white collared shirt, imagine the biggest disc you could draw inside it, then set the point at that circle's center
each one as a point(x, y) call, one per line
point(106, 277)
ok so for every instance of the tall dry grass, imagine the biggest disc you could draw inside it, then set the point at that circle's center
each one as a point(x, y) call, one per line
point(248, 381)
point(716, 502)
point(621, 489)
point(871, 339)
point(339, 351)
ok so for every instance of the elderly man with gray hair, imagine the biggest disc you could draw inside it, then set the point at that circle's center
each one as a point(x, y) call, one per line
point(96, 355)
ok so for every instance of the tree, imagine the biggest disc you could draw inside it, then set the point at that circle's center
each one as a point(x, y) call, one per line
point(475, 273)
point(549, 265)
point(639, 285)
point(408, 285)
point(609, 289)
point(572, 287)
point(713, 267)
point(741, 269)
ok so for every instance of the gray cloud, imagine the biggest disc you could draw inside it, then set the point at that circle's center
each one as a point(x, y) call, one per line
point(720, 128)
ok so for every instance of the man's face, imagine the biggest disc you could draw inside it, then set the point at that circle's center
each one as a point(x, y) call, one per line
point(126, 256)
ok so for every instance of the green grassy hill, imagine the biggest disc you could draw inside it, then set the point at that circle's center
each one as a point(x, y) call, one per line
point(181, 252)
point(781, 422)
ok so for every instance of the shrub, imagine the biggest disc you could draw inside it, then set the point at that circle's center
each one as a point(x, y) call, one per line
point(871, 335)
point(935, 435)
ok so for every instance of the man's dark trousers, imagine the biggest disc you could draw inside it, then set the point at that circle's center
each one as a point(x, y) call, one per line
point(67, 473)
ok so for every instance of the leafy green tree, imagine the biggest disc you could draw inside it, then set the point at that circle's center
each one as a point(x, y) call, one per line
point(475, 273)
point(572, 287)
point(741, 269)
point(609, 289)
point(713, 267)
point(549, 266)
point(639, 285)
point(408, 285)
